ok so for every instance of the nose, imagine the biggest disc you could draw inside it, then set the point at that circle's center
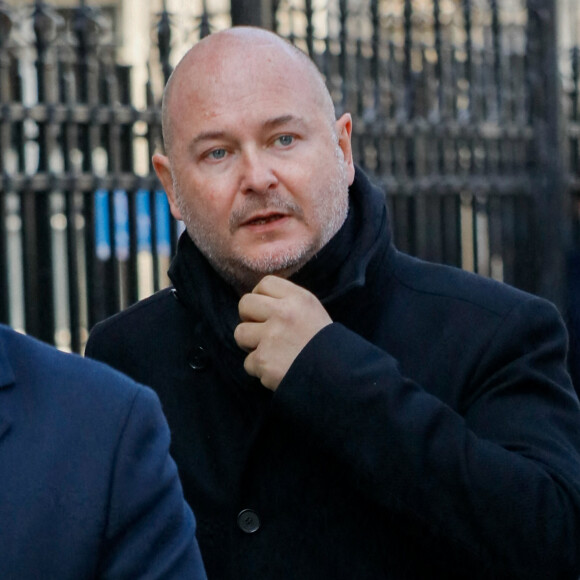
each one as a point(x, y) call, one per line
point(258, 175)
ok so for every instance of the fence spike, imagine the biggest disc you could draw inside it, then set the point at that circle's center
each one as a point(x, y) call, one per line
point(6, 23)
point(164, 41)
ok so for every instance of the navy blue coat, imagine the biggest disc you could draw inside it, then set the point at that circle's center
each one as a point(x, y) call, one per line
point(431, 431)
point(87, 487)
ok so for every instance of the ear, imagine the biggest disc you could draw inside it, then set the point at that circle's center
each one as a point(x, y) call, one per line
point(162, 167)
point(344, 132)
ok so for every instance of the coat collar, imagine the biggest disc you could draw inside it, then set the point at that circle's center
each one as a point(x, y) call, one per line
point(344, 264)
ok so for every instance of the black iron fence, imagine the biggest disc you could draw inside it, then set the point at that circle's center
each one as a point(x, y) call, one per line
point(459, 109)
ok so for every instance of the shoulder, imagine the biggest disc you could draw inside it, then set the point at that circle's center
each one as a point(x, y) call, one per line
point(144, 340)
point(463, 320)
point(458, 288)
point(155, 307)
point(134, 324)
point(75, 383)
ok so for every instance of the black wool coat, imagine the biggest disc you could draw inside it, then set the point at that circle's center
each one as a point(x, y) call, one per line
point(431, 431)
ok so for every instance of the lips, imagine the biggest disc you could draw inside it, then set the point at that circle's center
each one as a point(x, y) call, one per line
point(261, 220)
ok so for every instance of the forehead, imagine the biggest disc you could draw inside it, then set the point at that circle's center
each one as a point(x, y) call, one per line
point(218, 86)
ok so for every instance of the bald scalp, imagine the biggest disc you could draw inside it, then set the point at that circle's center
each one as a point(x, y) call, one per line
point(240, 42)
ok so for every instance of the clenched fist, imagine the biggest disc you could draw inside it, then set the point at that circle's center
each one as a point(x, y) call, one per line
point(278, 319)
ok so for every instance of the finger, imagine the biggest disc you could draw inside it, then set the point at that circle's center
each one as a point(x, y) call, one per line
point(255, 368)
point(256, 307)
point(247, 335)
point(275, 287)
point(250, 366)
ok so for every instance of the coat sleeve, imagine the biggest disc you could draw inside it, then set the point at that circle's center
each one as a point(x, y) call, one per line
point(499, 476)
point(150, 531)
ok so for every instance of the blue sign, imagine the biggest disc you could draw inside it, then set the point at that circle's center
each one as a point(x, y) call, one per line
point(121, 223)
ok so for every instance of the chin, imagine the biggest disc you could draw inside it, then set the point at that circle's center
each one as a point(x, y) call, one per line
point(279, 262)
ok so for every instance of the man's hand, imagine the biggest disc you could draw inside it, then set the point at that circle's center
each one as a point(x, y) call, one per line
point(278, 320)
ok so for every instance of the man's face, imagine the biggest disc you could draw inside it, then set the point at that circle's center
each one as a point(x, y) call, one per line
point(258, 175)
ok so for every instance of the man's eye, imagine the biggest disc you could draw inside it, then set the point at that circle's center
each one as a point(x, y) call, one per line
point(217, 154)
point(285, 140)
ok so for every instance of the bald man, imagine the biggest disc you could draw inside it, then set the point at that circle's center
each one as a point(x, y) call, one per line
point(338, 409)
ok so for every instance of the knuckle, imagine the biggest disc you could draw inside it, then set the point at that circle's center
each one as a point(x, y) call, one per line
point(262, 285)
point(243, 304)
point(249, 365)
point(310, 299)
point(259, 359)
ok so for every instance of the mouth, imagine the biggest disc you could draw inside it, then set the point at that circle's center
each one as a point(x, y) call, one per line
point(261, 220)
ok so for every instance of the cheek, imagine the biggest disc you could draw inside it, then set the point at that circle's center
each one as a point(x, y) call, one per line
point(213, 210)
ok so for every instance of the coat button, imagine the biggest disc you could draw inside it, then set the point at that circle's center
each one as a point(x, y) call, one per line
point(248, 521)
point(198, 358)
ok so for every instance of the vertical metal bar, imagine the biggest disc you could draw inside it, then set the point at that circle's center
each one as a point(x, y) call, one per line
point(496, 49)
point(86, 32)
point(4, 293)
point(252, 13)
point(403, 223)
point(375, 82)
point(309, 13)
point(451, 230)
point(475, 208)
point(70, 142)
point(123, 79)
point(438, 52)
point(326, 63)
point(132, 266)
point(360, 78)
point(394, 104)
point(440, 97)
point(468, 53)
point(113, 143)
point(343, 55)
point(5, 135)
point(152, 199)
point(409, 88)
point(274, 4)
point(527, 246)
point(543, 84)
point(469, 77)
point(574, 159)
point(112, 296)
point(508, 233)
point(204, 25)
point(153, 139)
point(164, 42)
point(376, 55)
point(164, 45)
point(42, 292)
point(29, 245)
point(495, 239)
point(408, 66)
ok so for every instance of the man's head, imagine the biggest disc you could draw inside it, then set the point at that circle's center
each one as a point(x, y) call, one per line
point(257, 166)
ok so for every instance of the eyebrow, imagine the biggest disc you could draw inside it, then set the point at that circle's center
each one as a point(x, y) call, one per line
point(269, 124)
point(206, 136)
point(283, 120)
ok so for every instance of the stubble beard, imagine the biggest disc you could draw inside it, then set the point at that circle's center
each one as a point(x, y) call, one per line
point(243, 272)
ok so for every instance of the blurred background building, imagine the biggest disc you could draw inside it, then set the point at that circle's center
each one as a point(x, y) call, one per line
point(466, 111)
